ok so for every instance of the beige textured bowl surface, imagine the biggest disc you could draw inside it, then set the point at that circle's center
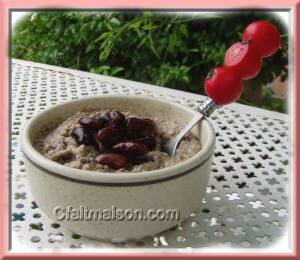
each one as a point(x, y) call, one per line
point(180, 187)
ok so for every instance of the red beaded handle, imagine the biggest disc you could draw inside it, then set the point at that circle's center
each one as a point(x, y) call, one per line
point(242, 61)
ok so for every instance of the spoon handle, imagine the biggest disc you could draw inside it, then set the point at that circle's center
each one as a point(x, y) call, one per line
point(189, 126)
point(171, 145)
point(205, 109)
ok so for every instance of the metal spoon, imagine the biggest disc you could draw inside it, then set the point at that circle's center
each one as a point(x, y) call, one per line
point(205, 109)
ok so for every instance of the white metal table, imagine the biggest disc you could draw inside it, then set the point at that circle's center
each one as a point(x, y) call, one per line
point(247, 202)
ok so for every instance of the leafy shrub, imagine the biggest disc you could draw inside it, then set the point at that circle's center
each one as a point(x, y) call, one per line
point(171, 50)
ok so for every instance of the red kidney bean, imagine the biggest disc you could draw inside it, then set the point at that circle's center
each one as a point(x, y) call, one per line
point(114, 161)
point(149, 141)
point(102, 122)
point(130, 149)
point(103, 149)
point(92, 123)
point(81, 135)
point(140, 159)
point(137, 127)
point(115, 118)
point(98, 145)
point(110, 135)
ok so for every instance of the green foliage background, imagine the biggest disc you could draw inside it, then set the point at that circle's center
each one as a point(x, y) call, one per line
point(167, 49)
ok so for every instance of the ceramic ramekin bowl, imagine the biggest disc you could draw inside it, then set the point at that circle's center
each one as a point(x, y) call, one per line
point(126, 206)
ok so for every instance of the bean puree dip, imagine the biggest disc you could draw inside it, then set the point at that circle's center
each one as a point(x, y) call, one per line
point(114, 141)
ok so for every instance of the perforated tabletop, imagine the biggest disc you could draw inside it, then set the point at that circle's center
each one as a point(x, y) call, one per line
point(246, 205)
